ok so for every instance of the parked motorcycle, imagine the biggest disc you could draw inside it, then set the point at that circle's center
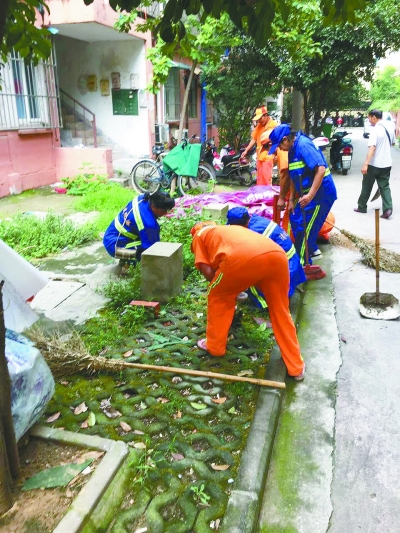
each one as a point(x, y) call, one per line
point(341, 152)
point(228, 165)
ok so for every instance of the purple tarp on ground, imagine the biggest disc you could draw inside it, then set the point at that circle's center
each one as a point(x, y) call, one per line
point(258, 200)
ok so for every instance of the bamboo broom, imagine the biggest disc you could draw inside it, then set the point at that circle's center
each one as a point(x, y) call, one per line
point(67, 358)
point(389, 261)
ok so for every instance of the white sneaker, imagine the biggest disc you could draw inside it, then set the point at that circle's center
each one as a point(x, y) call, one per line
point(317, 253)
point(242, 296)
point(300, 377)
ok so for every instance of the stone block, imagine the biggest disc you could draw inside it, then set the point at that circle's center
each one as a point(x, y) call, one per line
point(216, 211)
point(162, 271)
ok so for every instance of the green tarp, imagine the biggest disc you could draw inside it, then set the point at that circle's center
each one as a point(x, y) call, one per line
point(183, 160)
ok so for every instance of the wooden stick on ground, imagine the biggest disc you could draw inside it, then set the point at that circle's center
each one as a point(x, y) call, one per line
point(71, 357)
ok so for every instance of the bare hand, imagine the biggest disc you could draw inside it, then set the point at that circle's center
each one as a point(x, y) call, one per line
point(305, 200)
point(364, 168)
point(290, 206)
point(281, 204)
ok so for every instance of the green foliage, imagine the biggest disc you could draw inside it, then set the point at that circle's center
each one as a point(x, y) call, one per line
point(85, 183)
point(176, 229)
point(255, 18)
point(385, 90)
point(199, 494)
point(121, 292)
point(34, 238)
point(18, 30)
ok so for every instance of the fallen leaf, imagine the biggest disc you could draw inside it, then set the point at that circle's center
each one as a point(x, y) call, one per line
point(198, 406)
point(260, 321)
point(110, 412)
point(141, 530)
point(143, 405)
point(91, 420)
point(93, 454)
point(54, 417)
point(138, 432)
point(64, 383)
point(219, 467)
point(163, 400)
point(178, 415)
point(218, 400)
point(82, 408)
point(176, 379)
point(126, 427)
point(245, 373)
point(232, 411)
point(177, 456)
point(127, 354)
point(105, 403)
point(139, 445)
point(85, 424)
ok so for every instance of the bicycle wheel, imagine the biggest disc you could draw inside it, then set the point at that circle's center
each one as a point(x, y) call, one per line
point(146, 176)
point(202, 183)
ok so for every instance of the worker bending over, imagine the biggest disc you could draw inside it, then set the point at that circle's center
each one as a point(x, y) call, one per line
point(232, 259)
point(136, 228)
point(240, 216)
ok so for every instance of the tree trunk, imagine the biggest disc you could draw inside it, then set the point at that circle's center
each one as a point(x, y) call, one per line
point(305, 114)
point(3, 17)
point(5, 478)
point(9, 457)
point(297, 110)
point(185, 102)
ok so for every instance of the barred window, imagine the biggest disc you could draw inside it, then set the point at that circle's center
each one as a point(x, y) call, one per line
point(28, 94)
point(173, 95)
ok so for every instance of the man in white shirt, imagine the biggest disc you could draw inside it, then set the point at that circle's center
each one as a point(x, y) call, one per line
point(377, 165)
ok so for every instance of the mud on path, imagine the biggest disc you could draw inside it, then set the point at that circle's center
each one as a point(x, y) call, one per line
point(41, 199)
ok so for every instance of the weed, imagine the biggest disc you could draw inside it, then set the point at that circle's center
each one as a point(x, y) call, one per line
point(199, 495)
point(84, 183)
point(32, 237)
point(144, 464)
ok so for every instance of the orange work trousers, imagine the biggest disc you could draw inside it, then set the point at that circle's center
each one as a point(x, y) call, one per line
point(264, 172)
point(268, 272)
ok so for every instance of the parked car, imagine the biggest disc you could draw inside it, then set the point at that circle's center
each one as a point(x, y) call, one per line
point(388, 122)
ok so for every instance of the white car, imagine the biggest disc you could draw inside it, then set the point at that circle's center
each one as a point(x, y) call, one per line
point(388, 122)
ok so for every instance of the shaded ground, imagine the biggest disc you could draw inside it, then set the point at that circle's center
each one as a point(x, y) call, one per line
point(39, 511)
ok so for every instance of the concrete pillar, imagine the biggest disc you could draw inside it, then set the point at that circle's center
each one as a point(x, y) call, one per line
point(162, 271)
point(216, 212)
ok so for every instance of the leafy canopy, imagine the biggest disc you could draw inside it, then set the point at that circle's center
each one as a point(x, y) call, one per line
point(18, 30)
point(385, 90)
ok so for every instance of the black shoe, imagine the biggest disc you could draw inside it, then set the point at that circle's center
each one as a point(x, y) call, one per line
point(358, 210)
point(387, 213)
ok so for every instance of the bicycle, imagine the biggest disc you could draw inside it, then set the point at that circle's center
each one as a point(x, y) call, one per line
point(148, 175)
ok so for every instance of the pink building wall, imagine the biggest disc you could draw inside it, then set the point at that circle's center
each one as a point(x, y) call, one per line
point(27, 160)
point(73, 161)
point(33, 159)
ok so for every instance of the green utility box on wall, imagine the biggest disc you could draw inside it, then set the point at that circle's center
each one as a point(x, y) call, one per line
point(125, 102)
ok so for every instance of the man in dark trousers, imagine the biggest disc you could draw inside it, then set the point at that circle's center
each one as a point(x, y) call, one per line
point(377, 165)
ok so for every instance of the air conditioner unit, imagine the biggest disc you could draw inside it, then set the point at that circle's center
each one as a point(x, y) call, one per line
point(162, 133)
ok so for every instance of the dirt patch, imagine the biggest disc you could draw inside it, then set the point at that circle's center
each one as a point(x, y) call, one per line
point(39, 511)
point(41, 199)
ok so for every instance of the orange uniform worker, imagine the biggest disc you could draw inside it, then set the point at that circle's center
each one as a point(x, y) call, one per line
point(233, 259)
point(260, 136)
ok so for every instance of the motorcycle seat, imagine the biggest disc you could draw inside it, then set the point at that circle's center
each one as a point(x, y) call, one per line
point(230, 158)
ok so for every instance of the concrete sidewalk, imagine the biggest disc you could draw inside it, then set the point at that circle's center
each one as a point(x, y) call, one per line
point(336, 461)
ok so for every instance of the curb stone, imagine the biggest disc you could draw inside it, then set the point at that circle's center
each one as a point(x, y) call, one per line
point(104, 485)
point(245, 501)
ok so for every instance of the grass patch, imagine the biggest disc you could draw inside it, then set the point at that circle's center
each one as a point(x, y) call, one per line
point(32, 237)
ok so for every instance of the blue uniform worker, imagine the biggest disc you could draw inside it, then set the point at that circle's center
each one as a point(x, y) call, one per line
point(268, 228)
point(311, 180)
point(136, 228)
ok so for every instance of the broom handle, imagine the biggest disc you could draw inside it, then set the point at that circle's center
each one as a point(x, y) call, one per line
point(263, 382)
point(306, 257)
point(377, 253)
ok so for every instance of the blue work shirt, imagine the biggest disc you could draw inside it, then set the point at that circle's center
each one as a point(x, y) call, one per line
point(143, 229)
point(303, 158)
